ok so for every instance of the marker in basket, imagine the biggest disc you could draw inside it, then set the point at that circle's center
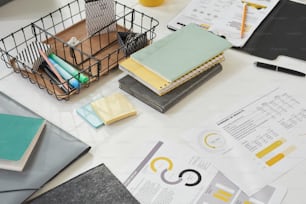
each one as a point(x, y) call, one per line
point(72, 81)
point(60, 78)
point(70, 69)
point(52, 76)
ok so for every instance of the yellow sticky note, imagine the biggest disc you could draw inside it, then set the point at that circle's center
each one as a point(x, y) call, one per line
point(113, 108)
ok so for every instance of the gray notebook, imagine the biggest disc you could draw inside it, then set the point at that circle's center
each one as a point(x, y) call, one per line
point(97, 185)
point(163, 103)
point(55, 150)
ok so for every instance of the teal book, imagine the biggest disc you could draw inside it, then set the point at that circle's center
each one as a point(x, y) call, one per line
point(181, 52)
point(55, 150)
point(19, 135)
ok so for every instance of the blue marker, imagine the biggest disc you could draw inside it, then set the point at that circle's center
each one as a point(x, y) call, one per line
point(68, 68)
point(72, 81)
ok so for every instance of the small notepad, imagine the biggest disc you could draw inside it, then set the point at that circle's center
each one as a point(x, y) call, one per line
point(88, 114)
point(113, 108)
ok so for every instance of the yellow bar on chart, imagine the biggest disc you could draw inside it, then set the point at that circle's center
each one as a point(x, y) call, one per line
point(220, 197)
point(223, 195)
point(270, 148)
point(247, 202)
point(280, 156)
point(275, 159)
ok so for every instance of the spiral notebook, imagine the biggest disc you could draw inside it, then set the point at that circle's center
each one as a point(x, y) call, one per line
point(156, 83)
point(181, 52)
point(165, 102)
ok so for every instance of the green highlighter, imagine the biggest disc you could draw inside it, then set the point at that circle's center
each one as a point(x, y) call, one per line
point(70, 69)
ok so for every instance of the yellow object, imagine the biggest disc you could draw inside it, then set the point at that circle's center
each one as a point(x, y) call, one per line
point(144, 74)
point(223, 195)
point(280, 156)
point(157, 83)
point(275, 159)
point(113, 108)
point(170, 164)
point(257, 6)
point(243, 20)
point(151, 3)
point(270, 148)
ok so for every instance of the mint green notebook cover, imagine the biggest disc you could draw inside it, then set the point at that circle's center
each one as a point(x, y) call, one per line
point(16, 135)
point(180, 52)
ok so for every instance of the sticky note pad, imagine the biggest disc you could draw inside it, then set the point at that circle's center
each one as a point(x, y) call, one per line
point(88, 114)
point(113, 108)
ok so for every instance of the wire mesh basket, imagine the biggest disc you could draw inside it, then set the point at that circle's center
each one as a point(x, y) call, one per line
point(92, 55)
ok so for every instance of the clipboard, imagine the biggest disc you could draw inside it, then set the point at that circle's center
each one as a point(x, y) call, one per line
point(283, 32)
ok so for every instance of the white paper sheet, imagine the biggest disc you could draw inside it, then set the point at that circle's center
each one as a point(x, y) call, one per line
point(258, 142)
point(223, 17)
point(174, 173)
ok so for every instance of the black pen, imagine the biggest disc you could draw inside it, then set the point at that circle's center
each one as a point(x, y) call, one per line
point(52, 76)
point(279, 69)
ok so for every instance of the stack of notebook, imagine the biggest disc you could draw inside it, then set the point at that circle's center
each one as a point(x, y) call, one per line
point(163, 73)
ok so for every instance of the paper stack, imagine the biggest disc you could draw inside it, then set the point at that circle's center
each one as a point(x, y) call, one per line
point(167, 64)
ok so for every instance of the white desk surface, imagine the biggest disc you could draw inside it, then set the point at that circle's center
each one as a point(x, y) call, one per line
point(119, 145)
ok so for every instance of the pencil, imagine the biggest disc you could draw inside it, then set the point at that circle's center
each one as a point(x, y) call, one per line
point(244, 12)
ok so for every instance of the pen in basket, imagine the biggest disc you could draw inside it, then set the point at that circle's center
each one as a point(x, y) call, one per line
point(53, 69)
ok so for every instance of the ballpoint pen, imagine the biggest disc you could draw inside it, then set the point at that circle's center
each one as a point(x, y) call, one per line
point(279, 69)
point(44, 66)
point(60, 78)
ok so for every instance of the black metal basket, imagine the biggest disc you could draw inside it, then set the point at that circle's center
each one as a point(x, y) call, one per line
point(94, 55)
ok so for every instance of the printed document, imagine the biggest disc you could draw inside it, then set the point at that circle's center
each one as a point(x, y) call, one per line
point(174, 173)
point(256, 143)
point(224, 17)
